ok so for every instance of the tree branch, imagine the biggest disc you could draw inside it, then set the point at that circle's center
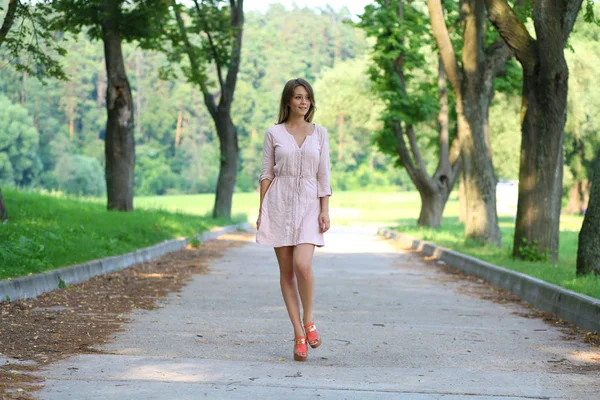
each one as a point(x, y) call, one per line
point(497, 55)
point(455, 162)
point(209, 99)
point(442, 38)
point(414, 147)
point(419, 177)
point(211, 43)
point(237, 22)
point(569, 16)
point(9, 19)
point(512, 30)
point(443, 119)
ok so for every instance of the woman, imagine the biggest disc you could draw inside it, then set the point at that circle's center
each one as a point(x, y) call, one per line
point(294, 204)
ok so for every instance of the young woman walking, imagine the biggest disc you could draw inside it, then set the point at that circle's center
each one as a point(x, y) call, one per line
point(294, 204)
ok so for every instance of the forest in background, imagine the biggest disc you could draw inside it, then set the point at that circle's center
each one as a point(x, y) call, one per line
point(52, 136)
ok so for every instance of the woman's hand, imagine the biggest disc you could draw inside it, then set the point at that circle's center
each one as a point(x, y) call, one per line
point(258, 222)
point(324, 222)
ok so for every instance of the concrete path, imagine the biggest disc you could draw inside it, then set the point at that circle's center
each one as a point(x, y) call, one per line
point(393, 327)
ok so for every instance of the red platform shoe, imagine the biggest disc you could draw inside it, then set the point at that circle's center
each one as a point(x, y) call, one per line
point(312, 335)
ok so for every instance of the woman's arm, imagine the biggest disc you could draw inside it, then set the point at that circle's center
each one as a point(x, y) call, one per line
point(267, 174)
point(323, 182)
point(264, 186)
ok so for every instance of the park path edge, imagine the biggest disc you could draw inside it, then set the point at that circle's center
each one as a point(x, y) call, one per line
point(34, 285)
point(576, 308)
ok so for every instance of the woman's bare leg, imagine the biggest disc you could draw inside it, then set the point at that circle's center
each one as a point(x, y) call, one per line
point(289, 287)
point(303, 255)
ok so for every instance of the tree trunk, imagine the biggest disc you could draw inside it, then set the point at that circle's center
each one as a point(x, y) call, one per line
point(138, 92)
point(221, 113)
point(588, 252)
point(119, 140)
point(578, 198)
point(545, 86)
point(3, 211)
point(541, 165)
point(480, 180)
point(227, 133)
point(462, 199)
point(473, 87)
point(432, 207)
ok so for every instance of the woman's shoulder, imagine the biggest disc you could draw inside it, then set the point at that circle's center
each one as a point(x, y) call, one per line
point(320, 130)
point(274, 129)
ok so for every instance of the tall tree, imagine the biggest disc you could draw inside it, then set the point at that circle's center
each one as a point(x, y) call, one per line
point(219, 29)
point(544, 111)
point(115, 21)
point(400, 31)
point(472, 83)
point(588, 251)
point(583, 114)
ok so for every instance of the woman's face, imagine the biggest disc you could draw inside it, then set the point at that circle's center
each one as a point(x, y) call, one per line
point(300, 101)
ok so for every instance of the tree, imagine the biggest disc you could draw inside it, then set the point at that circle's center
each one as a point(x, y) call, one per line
point(472, 83)
point(583, 114)
point(220, 33)
point(115, 21)
point(400, 31)
point(20, 164)
point(588, 251)
point(545, 87)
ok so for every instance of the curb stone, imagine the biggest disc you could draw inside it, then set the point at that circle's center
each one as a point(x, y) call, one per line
point(34, 285)
point(579, 309)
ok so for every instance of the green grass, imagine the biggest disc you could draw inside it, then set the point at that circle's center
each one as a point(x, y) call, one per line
point(46, 232)
point(562, 273)
point(346, 208)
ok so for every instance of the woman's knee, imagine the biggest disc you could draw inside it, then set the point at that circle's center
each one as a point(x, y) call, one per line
point(303, 269)
point(287, 276)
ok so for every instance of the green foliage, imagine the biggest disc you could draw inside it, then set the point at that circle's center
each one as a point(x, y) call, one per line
point(409, 94)
point(530, 251)
point(142, 21)
point(404, 38)
point(70, 117)
point(505, 128)
point(61, 284)
point(80, 175)
point(351, 112)
point(46, 232)
point(581, 142)
point(207, 40)
point(589, 12)
point(194, 242)
point(32, 45)
point(19, 161)
point(562, 273)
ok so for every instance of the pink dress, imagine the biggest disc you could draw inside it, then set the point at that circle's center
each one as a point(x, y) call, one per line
point(299, 177)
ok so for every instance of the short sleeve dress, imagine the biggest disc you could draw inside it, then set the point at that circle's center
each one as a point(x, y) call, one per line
point(299, 178)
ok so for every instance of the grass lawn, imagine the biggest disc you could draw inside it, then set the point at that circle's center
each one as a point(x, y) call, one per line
point(46, 232)
point(345, 207)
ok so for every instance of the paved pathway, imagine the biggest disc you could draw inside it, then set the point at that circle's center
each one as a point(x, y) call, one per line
point(393, 328)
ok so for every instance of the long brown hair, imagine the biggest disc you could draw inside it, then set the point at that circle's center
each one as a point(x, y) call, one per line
point(286, 95)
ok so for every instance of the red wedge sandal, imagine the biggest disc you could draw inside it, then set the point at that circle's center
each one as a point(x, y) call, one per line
point(312, 335)
point(300, 348)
